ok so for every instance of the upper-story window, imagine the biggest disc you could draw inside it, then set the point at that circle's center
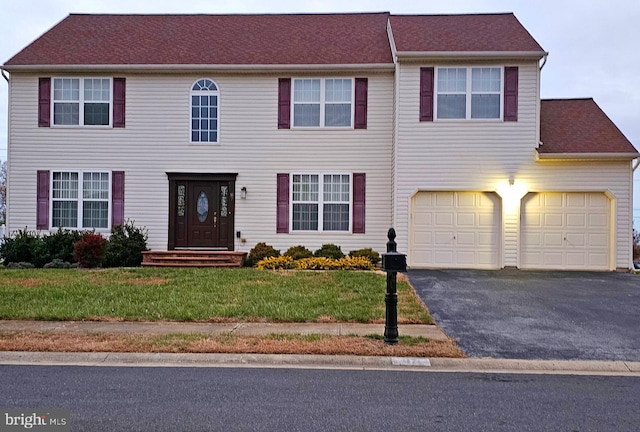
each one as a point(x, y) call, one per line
point(323, 102)
point(82, 101)
point(469, 93)
point(204, 111)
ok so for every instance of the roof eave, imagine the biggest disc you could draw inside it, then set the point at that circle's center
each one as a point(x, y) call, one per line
point(201, 67)
point(472, 55)
point(584, 156)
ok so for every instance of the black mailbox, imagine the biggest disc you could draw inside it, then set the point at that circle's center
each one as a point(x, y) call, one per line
point(394, 262)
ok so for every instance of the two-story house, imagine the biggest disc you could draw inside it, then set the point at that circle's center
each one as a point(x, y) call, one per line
point(218, 132)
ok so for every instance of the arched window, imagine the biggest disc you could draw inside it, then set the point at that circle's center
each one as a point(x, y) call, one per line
point(204, 111)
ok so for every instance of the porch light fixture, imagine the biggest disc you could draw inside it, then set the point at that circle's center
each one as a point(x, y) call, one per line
point(511, 192)
point(243, 192)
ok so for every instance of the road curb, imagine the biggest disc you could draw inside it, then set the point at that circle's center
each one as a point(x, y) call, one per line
point(484, 365)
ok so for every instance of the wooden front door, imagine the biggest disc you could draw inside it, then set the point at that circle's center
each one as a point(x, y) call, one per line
point(201, 211)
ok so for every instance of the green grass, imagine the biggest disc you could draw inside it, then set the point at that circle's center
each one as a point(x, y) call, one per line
point(200, 294)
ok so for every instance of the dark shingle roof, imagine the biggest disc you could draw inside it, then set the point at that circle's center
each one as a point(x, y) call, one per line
point(266, 39)
point(574, 126)
point(461, 33)
point(212, 40)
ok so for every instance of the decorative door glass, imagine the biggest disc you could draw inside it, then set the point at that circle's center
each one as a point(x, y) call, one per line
point(202, 207)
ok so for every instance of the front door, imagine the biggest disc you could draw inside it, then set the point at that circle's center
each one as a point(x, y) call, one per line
point(201, 211)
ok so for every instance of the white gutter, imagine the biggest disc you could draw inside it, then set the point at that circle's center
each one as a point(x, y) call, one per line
point(635, 165)
point(470, 54)
point(575, 156)
point(3, 75)
point(383, 67)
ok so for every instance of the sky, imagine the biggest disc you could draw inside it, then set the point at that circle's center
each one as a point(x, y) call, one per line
point(592, 44)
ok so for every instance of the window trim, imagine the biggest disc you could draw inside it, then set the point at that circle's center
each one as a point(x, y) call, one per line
point(320, 202)
point(322, 103)
point(81, 199)
point(217, 93)
point(80, 102)
point(468, 93)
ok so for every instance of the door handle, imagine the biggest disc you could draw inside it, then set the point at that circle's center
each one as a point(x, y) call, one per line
point(215, 219)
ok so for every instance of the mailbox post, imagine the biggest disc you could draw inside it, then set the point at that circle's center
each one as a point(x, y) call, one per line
point(392, 263)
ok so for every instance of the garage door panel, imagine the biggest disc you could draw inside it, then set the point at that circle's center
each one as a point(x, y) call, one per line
point(576, 220)
point(444, 219)
point(553, 220)
point(598, 240)
point(466, 238)
point(466, 219)
point(443, 237)
point(576, 239)
point(465, 229)
point(574, 229)
point(599, 221)
point(552, 239)
point(444, 199)
point(576, 200)
point(551, 201)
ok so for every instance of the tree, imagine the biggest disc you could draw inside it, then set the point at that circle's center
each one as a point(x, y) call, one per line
point(3, 192)
point(636, 245)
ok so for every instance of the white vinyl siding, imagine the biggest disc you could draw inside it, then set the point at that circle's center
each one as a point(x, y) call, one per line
point(257, 150)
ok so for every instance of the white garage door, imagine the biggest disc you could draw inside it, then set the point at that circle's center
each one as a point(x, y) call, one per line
point(455, 230)
point(568, 231)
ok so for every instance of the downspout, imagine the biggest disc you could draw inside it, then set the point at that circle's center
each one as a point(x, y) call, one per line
point(635, 165)
point(4, 76)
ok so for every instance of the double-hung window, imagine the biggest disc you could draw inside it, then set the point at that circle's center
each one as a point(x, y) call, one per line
point(324, 102)
point(469, 93)
point(82, 101)
point(321, 202)
point(80, 199)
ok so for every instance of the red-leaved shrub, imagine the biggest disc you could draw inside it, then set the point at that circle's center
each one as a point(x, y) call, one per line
point(89, 250)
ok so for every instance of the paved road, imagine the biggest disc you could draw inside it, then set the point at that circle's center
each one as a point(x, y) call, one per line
point(226, 399)
point(536, 315)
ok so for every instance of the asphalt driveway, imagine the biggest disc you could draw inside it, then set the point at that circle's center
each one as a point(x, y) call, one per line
point(535, 315)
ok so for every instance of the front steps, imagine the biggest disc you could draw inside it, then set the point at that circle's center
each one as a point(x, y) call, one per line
point(192, 258)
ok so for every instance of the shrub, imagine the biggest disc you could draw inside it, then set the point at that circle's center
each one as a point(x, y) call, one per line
point(20, 265)
point(317, 263)
point(329, 251)
point(57, 263)
point(125, 246)
point(368, 253)
point(89, 251)
point(355, 263)
point(260, 252)
point(19, 248)
point(298, 252)
point(59, 245)
point(276, 263)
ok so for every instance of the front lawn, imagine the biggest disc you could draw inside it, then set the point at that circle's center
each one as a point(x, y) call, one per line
point(151, 294)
